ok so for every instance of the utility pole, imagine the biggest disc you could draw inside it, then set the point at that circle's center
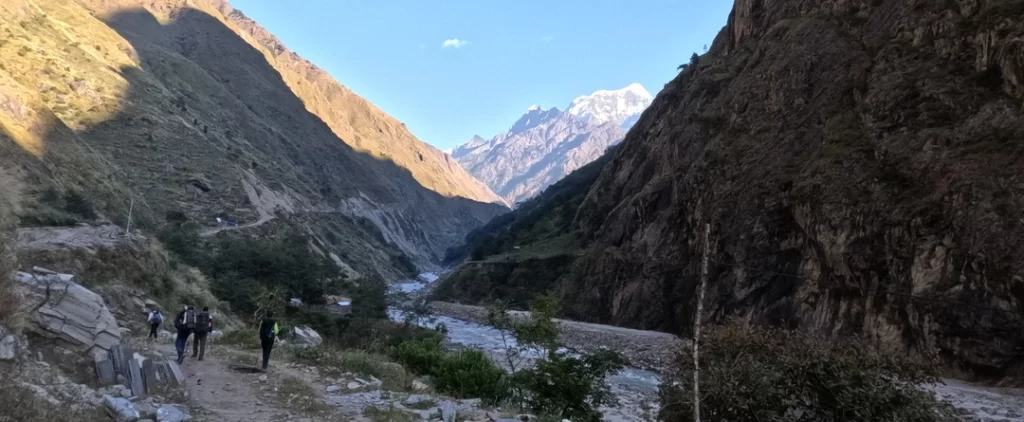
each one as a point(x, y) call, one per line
point(696, 323)
point(128, 228)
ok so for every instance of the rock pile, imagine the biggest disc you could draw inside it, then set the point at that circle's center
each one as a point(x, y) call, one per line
point(62, 309)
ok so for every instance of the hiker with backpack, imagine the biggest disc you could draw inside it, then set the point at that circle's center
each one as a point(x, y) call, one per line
point(268, 332)
point(155, 319)
point(186, 325)
point(204, 324)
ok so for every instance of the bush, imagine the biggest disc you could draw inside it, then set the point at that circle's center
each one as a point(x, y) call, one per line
point(465, 374)
point(773, 374)
point(570, 387)
point(470, 373)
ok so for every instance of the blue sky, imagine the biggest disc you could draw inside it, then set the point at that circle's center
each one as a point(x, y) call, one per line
point(509, 54)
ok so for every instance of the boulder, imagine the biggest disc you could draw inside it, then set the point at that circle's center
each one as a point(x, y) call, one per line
point(333, 388)
point(418, 398)
point(418, 385)
point(67, 311)
point(306, 337)
point(448, 410)
point(120, 409)
point(169, 413)
point(150, 304)
point(9, 345)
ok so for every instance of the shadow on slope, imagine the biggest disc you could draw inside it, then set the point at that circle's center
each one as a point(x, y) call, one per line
point(208, 127)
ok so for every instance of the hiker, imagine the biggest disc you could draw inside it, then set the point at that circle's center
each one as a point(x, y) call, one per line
point(204, 324)
point(186, 325)
point(155, 319)
point(268, 331)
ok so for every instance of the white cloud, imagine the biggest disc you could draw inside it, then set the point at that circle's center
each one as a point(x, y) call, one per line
point(547, 38)
point(454, 43)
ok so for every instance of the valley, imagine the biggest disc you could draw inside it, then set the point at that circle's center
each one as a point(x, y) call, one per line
point(818, 217)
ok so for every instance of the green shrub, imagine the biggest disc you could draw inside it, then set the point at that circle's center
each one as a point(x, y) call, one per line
point(76, 203)
point(773, 374)
point(570, 387)
point(470, 374)
point(465, 374)
point(420, 356)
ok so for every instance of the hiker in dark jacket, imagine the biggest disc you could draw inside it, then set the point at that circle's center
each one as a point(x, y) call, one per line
point(204, 324)
point(268, 332)
point(185, 323)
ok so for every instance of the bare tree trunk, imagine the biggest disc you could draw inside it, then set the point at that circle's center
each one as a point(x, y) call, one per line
point(697, 322)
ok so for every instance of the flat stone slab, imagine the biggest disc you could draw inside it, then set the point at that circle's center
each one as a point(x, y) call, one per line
point(105, 372)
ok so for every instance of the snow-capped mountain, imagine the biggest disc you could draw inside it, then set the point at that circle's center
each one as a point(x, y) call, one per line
point(545, 145)
point(622, 106)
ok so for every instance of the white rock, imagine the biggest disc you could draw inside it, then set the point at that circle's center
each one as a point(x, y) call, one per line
point(70, 312)
point(8, 346)
point(354, 385)
point(419, 385)
point(168, 413)
point(362, 381)
point(333, 388)
point(263, 377)
point(121, 410)
point(306, 337)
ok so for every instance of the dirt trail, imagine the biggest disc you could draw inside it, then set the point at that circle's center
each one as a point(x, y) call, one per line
point(215, 230)
point(226, 395)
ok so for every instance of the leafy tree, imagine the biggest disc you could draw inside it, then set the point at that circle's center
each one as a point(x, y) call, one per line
point(564, 383)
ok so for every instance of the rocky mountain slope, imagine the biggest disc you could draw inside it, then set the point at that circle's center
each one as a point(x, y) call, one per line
point(187, 106)
point(858, 163)
point(544, 146)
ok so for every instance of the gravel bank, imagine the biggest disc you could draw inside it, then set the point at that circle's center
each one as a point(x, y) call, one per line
point(650, 350)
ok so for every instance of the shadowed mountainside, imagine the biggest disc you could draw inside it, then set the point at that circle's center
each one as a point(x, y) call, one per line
point(181, 113)
point(860, 165)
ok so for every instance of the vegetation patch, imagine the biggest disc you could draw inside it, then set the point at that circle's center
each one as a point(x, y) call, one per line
point(751, 373)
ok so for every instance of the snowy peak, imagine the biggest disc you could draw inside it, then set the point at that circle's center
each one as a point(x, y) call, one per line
point(535, 115)
point(622, 106)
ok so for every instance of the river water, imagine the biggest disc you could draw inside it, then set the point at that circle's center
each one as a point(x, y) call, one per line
point(635, 388)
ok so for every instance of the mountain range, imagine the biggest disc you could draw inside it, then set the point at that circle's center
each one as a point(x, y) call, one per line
point(175, 107)
point(544, 146)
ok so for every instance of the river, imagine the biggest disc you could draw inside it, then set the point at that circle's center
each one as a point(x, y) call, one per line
point(637, 389)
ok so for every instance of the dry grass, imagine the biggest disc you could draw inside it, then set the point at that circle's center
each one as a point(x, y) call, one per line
point(10, 300)
point(22, 404)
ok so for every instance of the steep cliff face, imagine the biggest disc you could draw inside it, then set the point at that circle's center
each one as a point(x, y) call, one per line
point(860, 164)
point(187, 106)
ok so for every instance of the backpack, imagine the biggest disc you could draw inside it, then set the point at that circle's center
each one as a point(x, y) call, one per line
point(268, 329)
point(156, 318)
point(203, 322)
point(190, 319)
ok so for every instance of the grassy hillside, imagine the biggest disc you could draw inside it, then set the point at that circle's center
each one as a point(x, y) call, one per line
point(192, 109)
point(524, 252)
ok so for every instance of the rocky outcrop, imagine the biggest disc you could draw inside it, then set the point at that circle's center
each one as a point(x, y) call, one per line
point(62, 309)
point(859, 164)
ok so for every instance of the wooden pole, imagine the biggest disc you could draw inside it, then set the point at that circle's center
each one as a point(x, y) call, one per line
point(697, 322)
point(128, 227)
